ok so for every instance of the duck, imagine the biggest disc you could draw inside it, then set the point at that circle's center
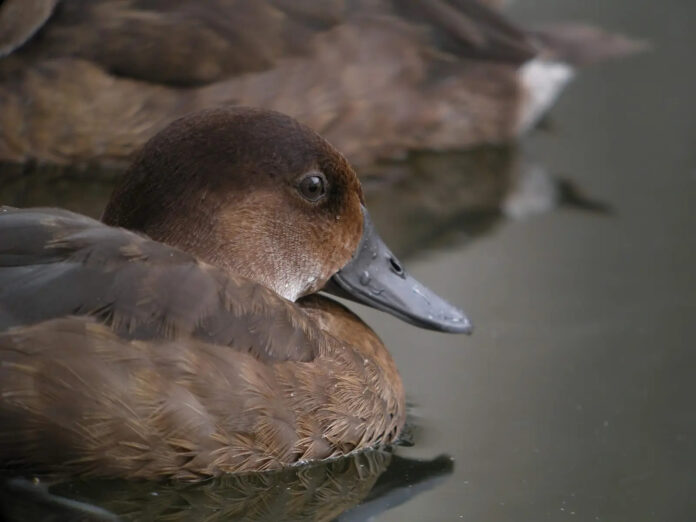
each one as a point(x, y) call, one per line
point(88, 82)
point(183, 336)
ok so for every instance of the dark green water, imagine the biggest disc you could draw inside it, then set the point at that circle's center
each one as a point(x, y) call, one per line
point(574, 399)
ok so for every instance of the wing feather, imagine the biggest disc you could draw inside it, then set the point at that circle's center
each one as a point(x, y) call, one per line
point(54, 263)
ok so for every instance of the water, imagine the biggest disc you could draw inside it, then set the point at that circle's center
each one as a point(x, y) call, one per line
point(574, 397)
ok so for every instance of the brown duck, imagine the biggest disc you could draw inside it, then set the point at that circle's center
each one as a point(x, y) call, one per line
point(92, 80)
point(183, 336)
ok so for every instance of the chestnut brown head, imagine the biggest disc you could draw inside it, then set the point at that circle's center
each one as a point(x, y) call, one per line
point(249, 190)
point(260, 195)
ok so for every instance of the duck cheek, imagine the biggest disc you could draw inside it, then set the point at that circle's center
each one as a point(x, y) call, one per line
point(345, 237)
point(317, 272)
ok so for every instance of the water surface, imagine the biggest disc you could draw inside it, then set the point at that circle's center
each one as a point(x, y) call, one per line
point(574, 399)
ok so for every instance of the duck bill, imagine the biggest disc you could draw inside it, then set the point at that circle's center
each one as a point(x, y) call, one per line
point(375, 277)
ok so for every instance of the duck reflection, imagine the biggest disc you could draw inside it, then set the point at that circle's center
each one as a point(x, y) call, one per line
point(83, 190)
point(356, 487)
point(437, 201)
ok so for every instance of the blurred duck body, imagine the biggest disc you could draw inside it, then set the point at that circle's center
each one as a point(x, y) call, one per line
point(91, 80)
point(182, 336)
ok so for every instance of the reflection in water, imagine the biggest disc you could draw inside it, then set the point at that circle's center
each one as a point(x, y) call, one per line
point(319, 492)
point(429, 201)
point(83, 190)
point(438, 200)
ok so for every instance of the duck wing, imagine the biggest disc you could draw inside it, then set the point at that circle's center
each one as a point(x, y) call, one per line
point(470, 29)
point(181, 43)
point(189, 42)
point(55, 263)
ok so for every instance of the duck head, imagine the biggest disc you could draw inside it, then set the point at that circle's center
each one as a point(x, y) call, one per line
point(260, 195)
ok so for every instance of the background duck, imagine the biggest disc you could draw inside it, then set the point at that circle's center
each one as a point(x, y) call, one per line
point(207, 352)
point(85, 81)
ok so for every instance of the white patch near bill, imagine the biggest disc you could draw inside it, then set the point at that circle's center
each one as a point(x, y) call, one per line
point(542, 81)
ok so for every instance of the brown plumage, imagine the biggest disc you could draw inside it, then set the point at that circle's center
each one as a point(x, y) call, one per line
point(202, 348)
point(376, 77)
point(78, 398)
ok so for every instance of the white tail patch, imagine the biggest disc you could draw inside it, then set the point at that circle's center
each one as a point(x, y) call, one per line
point(542, 81)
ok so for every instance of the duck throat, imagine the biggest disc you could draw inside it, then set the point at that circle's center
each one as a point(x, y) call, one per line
point(289, 275)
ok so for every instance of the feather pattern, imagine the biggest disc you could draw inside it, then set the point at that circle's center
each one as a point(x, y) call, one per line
point(81, 266)
point(142, 361)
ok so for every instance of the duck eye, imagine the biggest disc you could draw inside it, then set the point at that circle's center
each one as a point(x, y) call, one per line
point(313, 187)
